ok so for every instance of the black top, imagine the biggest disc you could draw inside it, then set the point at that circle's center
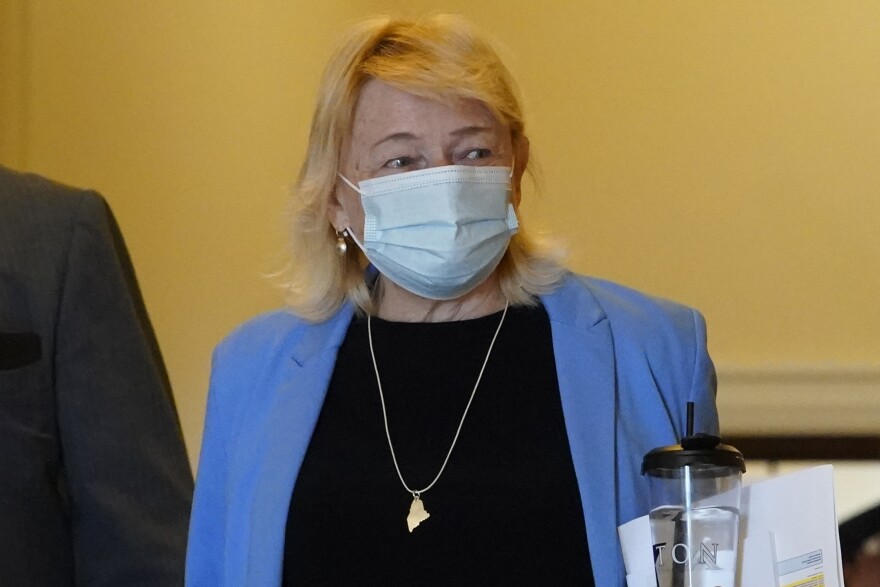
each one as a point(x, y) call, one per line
point(507, 508)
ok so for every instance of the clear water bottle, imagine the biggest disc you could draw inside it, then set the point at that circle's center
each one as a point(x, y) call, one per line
point(695, 498)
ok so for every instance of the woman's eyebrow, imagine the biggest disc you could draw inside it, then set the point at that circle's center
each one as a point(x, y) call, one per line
point(465, 131)
point(470, 130)
point(397, 136)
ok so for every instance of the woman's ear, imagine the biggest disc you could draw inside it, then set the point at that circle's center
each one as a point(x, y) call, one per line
point(336, 211)
point(520, 162)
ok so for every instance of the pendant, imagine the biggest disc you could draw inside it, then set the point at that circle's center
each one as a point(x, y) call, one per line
point(417, 513)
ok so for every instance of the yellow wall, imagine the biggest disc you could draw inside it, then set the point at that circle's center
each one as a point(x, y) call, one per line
point(726, 154)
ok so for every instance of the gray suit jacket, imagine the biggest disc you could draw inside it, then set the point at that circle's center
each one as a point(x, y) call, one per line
point(95, 487)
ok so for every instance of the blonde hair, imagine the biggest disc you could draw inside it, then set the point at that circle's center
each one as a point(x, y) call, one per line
point(440, 57)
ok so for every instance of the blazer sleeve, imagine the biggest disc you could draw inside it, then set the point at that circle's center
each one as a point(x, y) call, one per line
point(703, 387)
point(127, 476)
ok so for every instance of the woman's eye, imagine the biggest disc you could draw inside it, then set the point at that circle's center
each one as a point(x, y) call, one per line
point(478, 154)
point(399, 162)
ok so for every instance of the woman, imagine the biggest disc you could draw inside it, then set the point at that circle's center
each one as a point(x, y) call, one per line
point(443, 403)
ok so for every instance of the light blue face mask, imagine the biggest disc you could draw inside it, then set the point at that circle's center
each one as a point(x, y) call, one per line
point(437, 232)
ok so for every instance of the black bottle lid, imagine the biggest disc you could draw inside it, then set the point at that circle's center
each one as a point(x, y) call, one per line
point(704, 453)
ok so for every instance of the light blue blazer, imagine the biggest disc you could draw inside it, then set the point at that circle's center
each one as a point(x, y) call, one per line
point(627, 364)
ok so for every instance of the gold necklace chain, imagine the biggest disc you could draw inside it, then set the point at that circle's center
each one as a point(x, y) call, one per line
point(417, 512)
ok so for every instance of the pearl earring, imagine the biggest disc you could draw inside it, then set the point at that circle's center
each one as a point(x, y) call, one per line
point(341, 245)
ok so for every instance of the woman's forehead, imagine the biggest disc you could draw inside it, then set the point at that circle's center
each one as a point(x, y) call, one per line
point(383, 109)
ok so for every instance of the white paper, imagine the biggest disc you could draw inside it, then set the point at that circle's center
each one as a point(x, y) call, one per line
point(638, 558)
point(788, 535)
point(757, 562)
point(798, 511)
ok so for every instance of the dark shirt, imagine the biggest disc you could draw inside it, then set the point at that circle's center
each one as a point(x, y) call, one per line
point(506, 510)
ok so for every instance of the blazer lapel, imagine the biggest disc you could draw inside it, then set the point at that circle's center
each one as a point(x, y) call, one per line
point(583, 346)
point(282, 438)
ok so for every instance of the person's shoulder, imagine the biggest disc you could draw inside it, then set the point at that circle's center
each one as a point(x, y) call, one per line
point(254, 346)
point(618, 297)
point(271, 329)
point(254, 355)
point(629, 309)
point(271, 326)
point(273, 336)
point(33, 202)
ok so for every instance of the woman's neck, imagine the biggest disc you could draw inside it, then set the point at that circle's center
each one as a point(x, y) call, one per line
point(399, 305)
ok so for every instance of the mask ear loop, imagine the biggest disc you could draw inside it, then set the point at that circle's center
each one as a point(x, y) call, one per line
point(351, 185)
point(512, 220)
point(350, 233)
point(347, 231)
